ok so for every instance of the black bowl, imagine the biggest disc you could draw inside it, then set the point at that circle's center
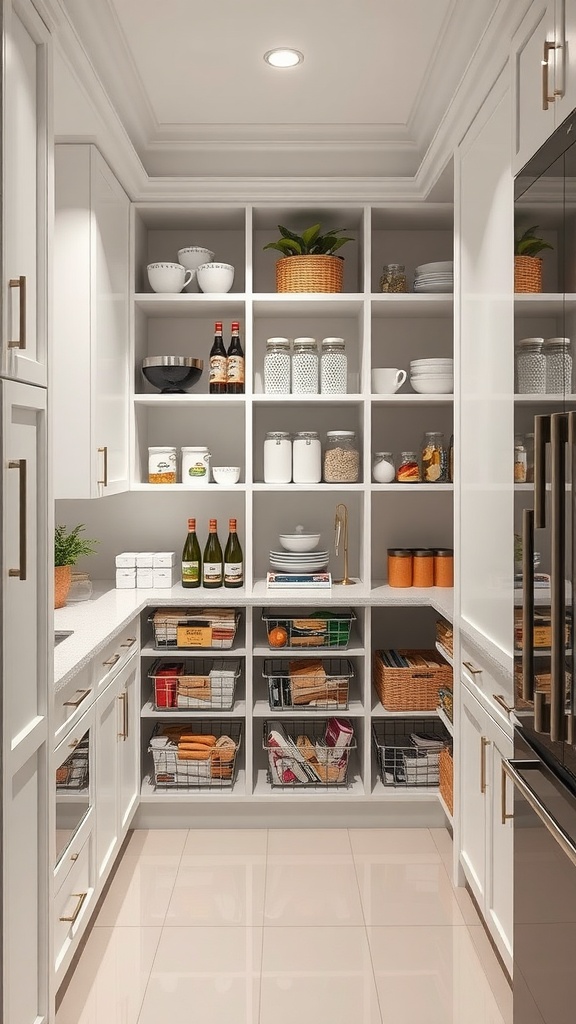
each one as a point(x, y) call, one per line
point(172, 375)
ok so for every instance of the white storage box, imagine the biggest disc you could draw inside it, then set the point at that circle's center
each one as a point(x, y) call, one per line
point(163, 559)
point(125, 579)
point(164, 578)
point(144, 579)
point(144, 559)
point(126, 560)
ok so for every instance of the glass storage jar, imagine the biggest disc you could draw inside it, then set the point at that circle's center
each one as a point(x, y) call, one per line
point(393, 278)
point(423, 568)
point(434, 458)
point(443, 567)
point(341, 457)
point(333, 367)
point(306, 458)
point(408, 471)
point(277, 367)
point(161, 465)
point(520, 461)
point(400, 567)
point(558, 366)
point(277, 457)
point(530, 366)
point(383, 469)
point(80, 587)
point(305, 367)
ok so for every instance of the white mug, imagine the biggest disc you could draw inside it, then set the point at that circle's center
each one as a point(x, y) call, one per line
point(387, 380)
point(168, 277)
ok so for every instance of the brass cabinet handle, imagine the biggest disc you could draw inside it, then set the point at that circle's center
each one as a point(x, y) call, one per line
point(472, 668)
point(21, 466)
point(76, 703)
point(483, 744)
point(124, 698)
point(74, 744)
point(112, 661)
point(20, 282)
point(505, 816)
point(129, 642)
point(80, 896)
point(508, 708)
point(104, 482)
point(74, 856)
point(546, 98)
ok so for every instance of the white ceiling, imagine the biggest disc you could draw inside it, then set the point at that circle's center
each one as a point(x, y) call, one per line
point(188, 82)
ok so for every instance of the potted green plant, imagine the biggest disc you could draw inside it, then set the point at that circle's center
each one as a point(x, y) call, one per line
point(69, 546)
point(527, 263)
point(309, 262)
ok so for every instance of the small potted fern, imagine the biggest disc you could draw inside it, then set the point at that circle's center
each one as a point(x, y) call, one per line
point(527, 262)
point(309, 262)
point(69, 546)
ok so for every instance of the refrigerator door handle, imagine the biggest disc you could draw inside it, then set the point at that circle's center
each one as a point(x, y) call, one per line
point(541, 439)
point(559, 440)
point(571, 731)
point(512, 769)
point(528, 604)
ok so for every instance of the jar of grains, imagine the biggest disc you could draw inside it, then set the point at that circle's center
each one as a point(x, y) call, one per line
point(383, 468)
point(277, 457)
point(558, 366)
point(305, 367)
point(341, 457)
point(443, 567)
point(531, 366)
point(408, 471)
point(333, 367)
point(161, 465)
point(520, 461)
point(399, 567)
point(434, 458)
point(393, 278)
point(277, 367)
point(423, 568)
point(306, 458)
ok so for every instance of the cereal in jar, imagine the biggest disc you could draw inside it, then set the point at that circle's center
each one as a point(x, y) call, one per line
point(341, 457)
point(161, 465)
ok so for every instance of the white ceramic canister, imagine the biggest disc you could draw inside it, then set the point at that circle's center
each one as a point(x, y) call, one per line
point(277, 457)
point(161, 465)
point(277, 367)
point(305, 367)
point(306, 458)
point(333, 367)
point(195, 466)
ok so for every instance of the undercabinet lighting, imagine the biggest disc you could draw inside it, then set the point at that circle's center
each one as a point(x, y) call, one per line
point(283, 57)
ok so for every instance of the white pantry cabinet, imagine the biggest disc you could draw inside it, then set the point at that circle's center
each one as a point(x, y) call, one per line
point(26, 191)
point(91, 326)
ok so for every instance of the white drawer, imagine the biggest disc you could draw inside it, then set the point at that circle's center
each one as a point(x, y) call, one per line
point(479, 676)
point(112, 657)
point(72, 907)
point(72, 701)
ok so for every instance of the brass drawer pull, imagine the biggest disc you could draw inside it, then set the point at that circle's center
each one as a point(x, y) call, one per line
point(76, 703)
point(112, 661)
point(508, 708)
point(472, 668)
point(74, 744)
point(20, 465)
point(81, 897)
point(129, 642)
point(20, 282)
point(124, 698)
point(546, 97)
point(483, 744)
point(104, 451)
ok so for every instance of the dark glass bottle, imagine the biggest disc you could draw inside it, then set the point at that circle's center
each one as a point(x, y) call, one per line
point(213, 563)
point(233, 559)
point(191, 558)
point(235, 363)
point(218, 363)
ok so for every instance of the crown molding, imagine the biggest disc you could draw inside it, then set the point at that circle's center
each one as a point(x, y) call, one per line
point(249, 133)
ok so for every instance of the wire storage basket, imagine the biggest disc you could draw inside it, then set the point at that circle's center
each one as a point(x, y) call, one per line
point(408, 751)
point(196, 754)
point(304, 683)
point(409, 680)
point(312, 753)
point(301, 630)
point(196, 683)
point(321, 273)
point(73, 773)
point(193, 628)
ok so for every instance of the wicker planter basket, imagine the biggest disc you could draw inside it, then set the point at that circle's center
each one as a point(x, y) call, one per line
point(446, 766)
point(414, 688)
point(527, 274)
point(62, 581)
point(310, 274)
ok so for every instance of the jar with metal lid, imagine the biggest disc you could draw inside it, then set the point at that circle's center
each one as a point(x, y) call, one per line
point(443, 567)
point(434, 458)
point(558, 366)
point(383, 469)
point(277, 457)
point(423, 567)
point(408, 471)
point(277, 366)
point(333, 367)
point(530, 366)
point(305, 367)
point(306, 458)
point(393, 278)
point(341, 457)
point(161, 465)
point(520, 461)
point(400, 567)
point(195, 466)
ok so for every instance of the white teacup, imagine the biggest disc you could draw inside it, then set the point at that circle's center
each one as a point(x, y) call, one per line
point(215, 277)
point(194, 256)
point(387, 380)
point(168, 277)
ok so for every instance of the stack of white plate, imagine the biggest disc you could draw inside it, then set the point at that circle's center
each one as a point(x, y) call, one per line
point(434, 277)
point(432, 376)
point(309, 561)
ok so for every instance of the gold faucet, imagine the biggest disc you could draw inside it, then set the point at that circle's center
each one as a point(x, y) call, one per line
point(341, 528)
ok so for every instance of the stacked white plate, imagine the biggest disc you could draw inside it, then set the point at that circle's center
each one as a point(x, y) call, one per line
point(432, 376)
point(286, 561)
point(434, 277)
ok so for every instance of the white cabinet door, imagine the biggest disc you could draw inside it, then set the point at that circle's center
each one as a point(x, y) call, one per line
point(91, 326)
point(108, 725)
point(26, 183)
point(533, 65)
point(473, 787)
point(500, 842)
point(565, 60)
point(128, 774)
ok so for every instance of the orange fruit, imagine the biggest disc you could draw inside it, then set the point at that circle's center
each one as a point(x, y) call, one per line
point(277, 637)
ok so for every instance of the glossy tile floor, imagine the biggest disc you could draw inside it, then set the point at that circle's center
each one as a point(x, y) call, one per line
point(330, 926)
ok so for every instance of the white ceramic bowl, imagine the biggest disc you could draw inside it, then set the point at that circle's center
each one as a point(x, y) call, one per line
point(194, 256)
point(215, 277)
point(226, 474)
point(442, 371)
point(446, 267)
point(299, 541)
point(433, 385)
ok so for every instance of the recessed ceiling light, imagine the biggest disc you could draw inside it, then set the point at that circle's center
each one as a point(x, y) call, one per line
point(283, 57)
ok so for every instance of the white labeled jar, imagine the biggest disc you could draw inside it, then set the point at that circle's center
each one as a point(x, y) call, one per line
point(383, 469)
point(277, 367)
point(195, 466)
point(306, 458)
point(341, 457)
point(161, 465)
point(277, 457)
point(305, 367)
point(333, 367)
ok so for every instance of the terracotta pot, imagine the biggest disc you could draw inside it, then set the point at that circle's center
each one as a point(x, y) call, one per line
point(527, 274)
point(310, 274)
point(62, 581)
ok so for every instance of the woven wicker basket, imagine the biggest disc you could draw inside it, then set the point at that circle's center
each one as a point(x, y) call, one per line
point(446, 766)
point(527, 274)
point(309, 274)
point(414, 688)
point(445, 636)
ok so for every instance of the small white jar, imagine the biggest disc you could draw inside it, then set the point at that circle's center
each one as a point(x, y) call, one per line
point(383, 469)
point(333, 367)
point(161, 465)
point(306, 458)
point(277, 457)
point(195, 466)
point(305, 367)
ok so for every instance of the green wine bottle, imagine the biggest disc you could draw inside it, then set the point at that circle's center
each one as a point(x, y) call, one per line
point(191, 559)
point(213, 564)
point(233, 560)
